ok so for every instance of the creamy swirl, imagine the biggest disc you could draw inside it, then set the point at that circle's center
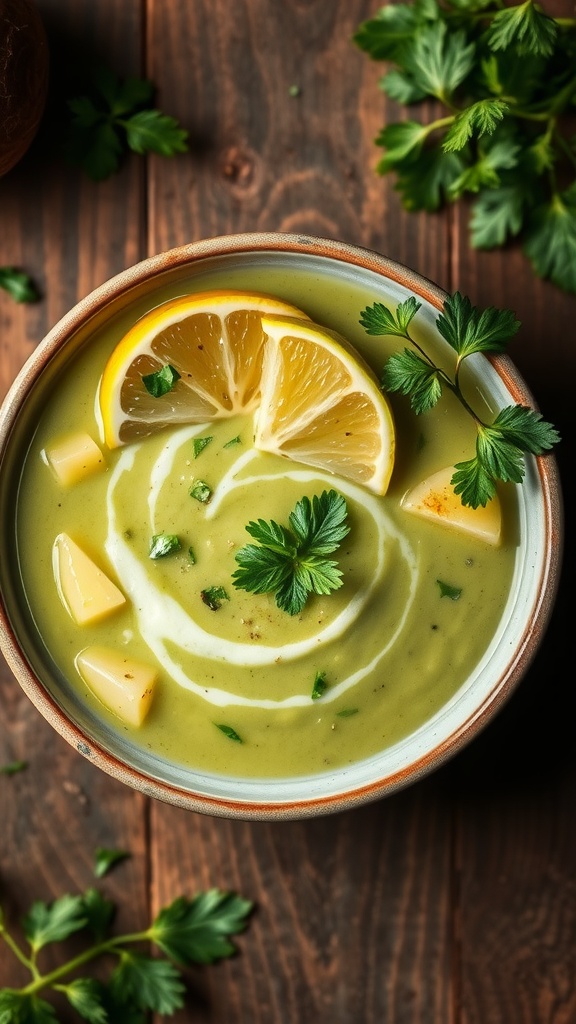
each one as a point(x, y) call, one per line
point(166, 625)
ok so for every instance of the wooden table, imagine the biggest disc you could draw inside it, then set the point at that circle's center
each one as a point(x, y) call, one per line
point(453, 902)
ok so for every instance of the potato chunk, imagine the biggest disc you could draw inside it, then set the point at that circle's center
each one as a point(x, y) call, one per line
point(74, 458)
point(125, 686)
point(84, 589)
point(434, 499)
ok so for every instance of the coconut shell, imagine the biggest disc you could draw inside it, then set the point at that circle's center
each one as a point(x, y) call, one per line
point(23, 78)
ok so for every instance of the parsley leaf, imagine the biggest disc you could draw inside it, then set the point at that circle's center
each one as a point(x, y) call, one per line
point(401, 141)
point(506, 77)
point(386, 36)
point(427, 183)
point(197, 930)
point(526, 27)
point(149, 131)
point(493, 158)
point(18, 284)
point(85, 995)
point(114, 115)
point(19, 1008)
point(478, 119)
point(378, 319)
point(516, 430)
point(53, 922)
point(408, 373)
point(551, 240)
point(99, 913)
point(291, 562)
point(469, 329)
point(497, 215)
point(106, 859)
point(148, 983)
point(439, 60)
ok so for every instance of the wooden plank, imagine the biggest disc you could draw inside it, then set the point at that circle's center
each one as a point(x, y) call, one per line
point(262, 159)
point(354, 912)
point(352, 920)
point(71, 235)
point(517, 826)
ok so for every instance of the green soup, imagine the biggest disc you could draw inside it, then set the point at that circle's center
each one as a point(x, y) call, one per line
point(391, 645)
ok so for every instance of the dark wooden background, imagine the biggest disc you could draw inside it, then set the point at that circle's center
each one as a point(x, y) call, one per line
point(453, 902)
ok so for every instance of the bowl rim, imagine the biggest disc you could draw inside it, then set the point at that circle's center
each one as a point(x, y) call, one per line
point(148, 270)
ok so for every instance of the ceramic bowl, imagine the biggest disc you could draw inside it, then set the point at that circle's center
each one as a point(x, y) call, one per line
point(521, 629)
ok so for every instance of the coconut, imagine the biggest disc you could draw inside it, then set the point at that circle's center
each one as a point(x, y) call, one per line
point(23, 78)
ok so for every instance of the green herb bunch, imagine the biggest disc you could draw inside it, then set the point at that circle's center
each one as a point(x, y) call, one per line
point(188, 931)
point(516, 430)
point(114, 115)
point(506, 78)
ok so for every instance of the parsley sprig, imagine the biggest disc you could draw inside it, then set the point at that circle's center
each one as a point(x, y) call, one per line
point(291, 562)
point(506, 77)
point(113, 116)
point(188, 931)
point(517, 429)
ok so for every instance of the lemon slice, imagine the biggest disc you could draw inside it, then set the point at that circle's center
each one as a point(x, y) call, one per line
point(321, 404)
point(434, 499)
point(215, 342)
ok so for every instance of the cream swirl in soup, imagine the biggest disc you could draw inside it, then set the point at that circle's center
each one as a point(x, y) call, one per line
point(168, 623)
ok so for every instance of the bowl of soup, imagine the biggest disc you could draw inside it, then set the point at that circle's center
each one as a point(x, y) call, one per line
point(264, 599)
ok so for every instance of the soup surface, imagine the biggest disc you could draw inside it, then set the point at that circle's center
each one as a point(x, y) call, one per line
point(235, 689)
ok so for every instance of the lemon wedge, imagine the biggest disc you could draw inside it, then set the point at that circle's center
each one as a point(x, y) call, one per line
point(215, 342)
point(320, 404)
point(314, 398)
point(434, 499)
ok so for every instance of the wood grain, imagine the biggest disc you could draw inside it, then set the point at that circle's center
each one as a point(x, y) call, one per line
point(71, 235)
point(352, 919)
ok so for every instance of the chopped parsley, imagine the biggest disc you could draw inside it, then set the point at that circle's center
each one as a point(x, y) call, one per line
point(447, 590)
point(199, 444)
point(320, 686)
point(201, 491)
point(163, 544)
point(162, 381)
point(229, 732)
point(233, 441)
point(213, 597)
